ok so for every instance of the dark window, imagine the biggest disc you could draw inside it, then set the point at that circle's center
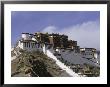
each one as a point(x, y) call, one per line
point(24, 44)
point(29, 45)
point(32, 45)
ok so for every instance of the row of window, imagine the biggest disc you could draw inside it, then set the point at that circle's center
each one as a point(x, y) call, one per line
point(89, 50)
point(31, 45)
point(87, 54)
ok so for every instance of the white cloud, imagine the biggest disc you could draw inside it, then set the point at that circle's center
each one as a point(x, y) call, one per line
point(49, 29)
point(87, 34)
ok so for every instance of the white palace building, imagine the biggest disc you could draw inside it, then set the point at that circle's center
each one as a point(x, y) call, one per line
point(28, 42)
point(86, 55)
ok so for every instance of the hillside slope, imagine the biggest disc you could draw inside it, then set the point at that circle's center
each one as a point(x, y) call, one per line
point(35, 64)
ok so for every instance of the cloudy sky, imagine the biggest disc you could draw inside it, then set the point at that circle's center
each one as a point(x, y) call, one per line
point(82, 26)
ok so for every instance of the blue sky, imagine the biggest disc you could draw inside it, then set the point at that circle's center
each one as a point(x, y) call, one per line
point(71, 23)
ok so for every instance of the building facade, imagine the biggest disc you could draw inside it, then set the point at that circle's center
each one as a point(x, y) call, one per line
point(60, 46)
point(88, 52)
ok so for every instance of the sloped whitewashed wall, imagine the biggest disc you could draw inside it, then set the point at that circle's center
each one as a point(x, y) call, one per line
point(75, 58)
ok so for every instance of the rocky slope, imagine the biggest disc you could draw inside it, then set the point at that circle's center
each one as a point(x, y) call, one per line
point(34, 64)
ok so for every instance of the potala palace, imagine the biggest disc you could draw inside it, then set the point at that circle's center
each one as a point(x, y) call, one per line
point(60, 47)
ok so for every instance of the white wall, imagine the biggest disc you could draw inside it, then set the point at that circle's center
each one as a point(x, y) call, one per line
point(26, 37)
point(61, 65)
point(76, 58)
point(21, 45)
